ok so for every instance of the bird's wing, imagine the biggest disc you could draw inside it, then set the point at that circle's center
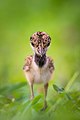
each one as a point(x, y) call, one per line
point(50, 64)
point(28, 62)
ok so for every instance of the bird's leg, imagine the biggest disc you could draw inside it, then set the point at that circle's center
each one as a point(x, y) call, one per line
point(32, 92)
point(45, 95)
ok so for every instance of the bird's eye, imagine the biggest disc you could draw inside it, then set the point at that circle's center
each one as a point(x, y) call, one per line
point(48, 44)
point(32, 44)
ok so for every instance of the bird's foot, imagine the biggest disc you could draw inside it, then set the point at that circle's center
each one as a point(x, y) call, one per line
point(32, 96)
point(44, 107)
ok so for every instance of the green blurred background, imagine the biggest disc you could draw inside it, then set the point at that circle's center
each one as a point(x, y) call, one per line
point(19, 19)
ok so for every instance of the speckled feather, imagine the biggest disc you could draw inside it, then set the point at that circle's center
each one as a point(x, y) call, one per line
point(28, 62)
point(35, 73)
point(38, 68)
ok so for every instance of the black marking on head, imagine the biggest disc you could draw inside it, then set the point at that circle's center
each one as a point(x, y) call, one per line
point(39, 34)
point(31, 38)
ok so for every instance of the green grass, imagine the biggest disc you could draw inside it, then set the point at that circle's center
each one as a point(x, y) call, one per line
point(64, 103)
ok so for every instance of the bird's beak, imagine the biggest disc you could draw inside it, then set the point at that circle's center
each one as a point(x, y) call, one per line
point(41, 50)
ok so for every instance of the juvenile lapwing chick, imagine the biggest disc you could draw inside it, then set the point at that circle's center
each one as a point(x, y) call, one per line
point(38, 68)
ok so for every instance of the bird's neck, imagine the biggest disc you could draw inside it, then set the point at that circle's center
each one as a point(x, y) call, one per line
point(40, 60)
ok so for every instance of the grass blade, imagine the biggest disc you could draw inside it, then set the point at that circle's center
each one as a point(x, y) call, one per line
point(71, 81)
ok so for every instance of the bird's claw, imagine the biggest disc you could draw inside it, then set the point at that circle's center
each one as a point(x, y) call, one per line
point(31, 98)
point(44, 108)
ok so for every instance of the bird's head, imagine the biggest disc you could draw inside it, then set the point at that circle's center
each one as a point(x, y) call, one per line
point(40, 42)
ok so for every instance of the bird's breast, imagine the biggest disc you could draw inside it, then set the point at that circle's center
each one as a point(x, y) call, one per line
point(40, 75)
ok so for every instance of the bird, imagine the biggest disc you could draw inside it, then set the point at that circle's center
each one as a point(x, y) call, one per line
point(38, 68)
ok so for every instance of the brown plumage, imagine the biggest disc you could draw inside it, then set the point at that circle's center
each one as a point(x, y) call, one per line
point(38, 68)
